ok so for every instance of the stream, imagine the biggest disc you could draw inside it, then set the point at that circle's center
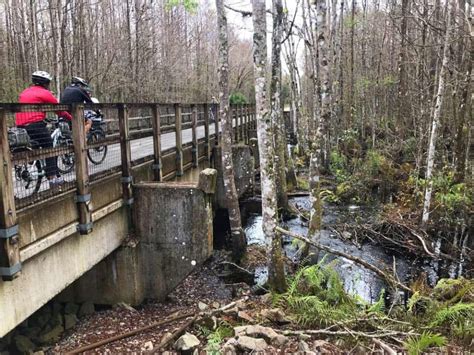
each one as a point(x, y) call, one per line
point(357, 279)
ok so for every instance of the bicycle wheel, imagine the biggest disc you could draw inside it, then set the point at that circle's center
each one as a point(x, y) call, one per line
point(97, 154)
point(28, 177)
point(66, 163)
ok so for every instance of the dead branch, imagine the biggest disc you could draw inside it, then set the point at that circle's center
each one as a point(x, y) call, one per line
point(385, 347)
point(128, 334)
point(357, 260)
point(370, 335)
point(167, 339)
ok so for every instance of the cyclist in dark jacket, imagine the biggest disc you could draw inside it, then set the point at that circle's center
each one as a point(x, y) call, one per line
point(76, 93)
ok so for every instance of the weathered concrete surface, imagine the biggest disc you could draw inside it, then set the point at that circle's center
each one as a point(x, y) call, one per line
point(48, 273)
point(174, 225)
point(244, 172)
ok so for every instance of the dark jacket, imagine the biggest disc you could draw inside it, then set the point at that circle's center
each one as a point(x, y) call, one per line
point(75, 95)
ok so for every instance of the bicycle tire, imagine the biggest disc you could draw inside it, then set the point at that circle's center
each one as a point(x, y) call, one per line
point(96, 155)
point(25, 190)
point(67, 163)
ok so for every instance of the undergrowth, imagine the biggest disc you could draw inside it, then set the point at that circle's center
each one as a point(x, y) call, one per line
point(316, 298)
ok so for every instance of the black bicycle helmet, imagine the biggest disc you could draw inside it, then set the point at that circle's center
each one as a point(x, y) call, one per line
point(79, 81)
point(40, 77)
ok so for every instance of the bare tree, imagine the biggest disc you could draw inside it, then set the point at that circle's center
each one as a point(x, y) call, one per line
point(238, 235)
point(452, 6)
point(266, 148)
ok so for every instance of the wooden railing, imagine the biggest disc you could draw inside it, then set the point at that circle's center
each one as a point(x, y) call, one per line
point(177, 119)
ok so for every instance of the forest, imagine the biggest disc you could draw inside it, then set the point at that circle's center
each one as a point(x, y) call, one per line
point(365, 135)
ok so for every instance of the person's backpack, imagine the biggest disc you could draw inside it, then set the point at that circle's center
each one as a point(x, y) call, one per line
point(18, 137)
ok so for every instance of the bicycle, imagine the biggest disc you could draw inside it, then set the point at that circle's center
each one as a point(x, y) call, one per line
point(62, 137)
point(30, 174)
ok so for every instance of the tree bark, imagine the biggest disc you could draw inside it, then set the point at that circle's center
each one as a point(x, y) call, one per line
point(276, 272)
point(277, 118)
point(238, 235)
point(452, 7)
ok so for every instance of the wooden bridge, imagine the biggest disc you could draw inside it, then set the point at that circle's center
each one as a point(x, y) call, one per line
point(50, 237)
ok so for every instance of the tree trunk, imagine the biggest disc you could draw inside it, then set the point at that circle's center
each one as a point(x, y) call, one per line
point(452, 4)
point(276, 272)
point(277, 118)
point(238, 235)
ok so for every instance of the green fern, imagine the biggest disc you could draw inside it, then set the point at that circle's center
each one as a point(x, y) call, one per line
point(379, 306)
point(316, 296)
point(417, 344)
point(455, 314)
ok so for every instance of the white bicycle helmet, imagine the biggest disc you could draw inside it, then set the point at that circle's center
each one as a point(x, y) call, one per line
point(41, 77)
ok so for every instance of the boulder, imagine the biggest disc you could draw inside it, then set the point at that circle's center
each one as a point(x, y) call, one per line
point(71, 308)
point(186, 342)
point(23, 344)
point(250, 344)
point(87, 308)
point(70, 320)
point(245, 317)
point(275, 315)
point(52, 335)
point(258, 331)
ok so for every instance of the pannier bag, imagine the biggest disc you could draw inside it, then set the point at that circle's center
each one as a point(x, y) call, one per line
point(18, 137)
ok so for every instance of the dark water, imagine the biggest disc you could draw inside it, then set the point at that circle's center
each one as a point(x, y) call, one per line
point(357, 280)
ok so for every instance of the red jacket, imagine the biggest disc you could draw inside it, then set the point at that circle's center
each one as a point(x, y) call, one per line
point(37, 95)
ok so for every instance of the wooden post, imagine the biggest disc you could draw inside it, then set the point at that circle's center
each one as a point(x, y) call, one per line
point(155, 121)
point(207, 144)
point(83, 197)
point(126, 155)
point(195, 148)
point(216, 124)
point(179, 140)
point(10, 265)
point(246, 126)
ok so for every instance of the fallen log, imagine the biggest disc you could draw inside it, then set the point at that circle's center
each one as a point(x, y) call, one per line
point(389, 278)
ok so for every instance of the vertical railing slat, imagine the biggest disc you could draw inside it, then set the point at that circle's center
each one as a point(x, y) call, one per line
point(179, 140)
point(156, 124)
point(83, 197)
point(10, 265)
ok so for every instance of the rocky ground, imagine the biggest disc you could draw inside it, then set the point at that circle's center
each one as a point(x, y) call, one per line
point(229, 317)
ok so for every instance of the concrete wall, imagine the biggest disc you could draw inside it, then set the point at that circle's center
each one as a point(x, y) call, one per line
point(173, 235)
point(244, 172)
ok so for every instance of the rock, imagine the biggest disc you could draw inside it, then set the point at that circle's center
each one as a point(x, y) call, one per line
point(41, 352)
point(87, 308)
point(31, 332)
point(275, 315)
point(23, 344)
point(71, 308)
point(57, 308)
point(245, 316)
point(56, 319)
point(125, 306)
point(215, 305)
point(247, 343)
point(202, 306)
point(303, 346)
point(147, 346)
point(229, 347)
point(52, 335)
point(70, 320)
point(41, 317)
point(261, 332)
point(186, 342)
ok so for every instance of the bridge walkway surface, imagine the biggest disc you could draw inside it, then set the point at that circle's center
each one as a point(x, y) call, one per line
point(50, 235)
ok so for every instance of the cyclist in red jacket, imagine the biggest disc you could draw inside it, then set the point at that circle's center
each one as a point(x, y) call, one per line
point(34, 122)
